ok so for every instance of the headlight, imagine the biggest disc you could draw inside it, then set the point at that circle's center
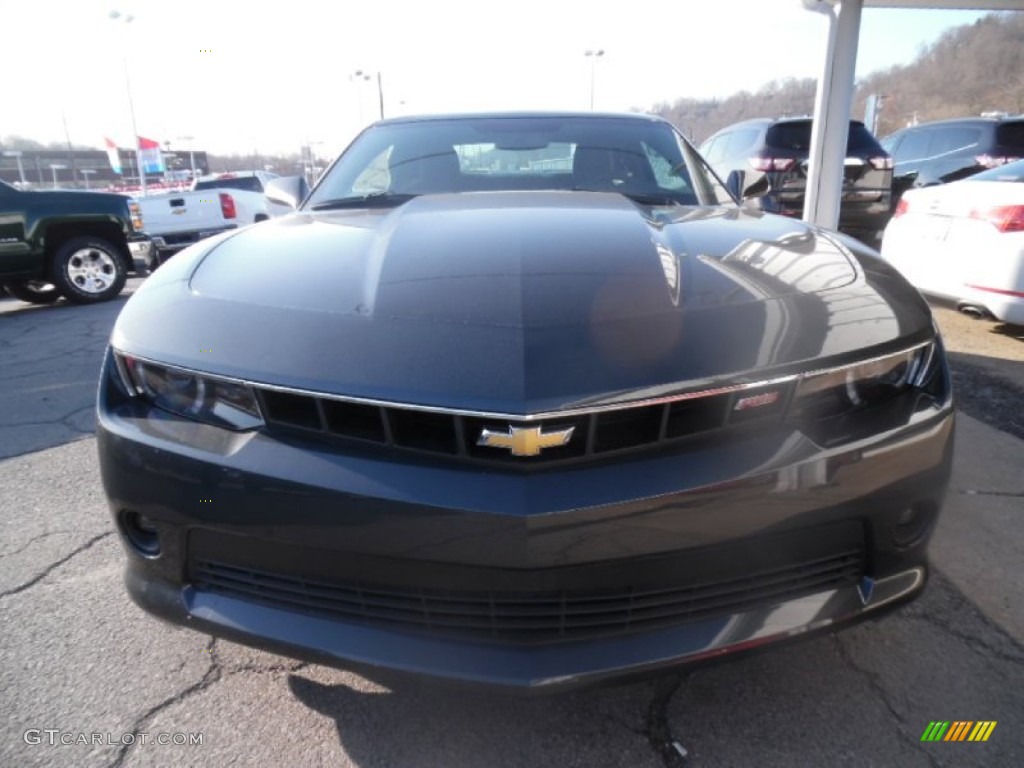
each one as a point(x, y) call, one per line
point(208, 399)
point(864, 385)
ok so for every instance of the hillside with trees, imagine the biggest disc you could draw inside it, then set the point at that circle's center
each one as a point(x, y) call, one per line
point(969, 70)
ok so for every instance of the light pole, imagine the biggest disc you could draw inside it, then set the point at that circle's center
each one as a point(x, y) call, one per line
point(312, 160)
point(54, 167)
point(354, 78)
point(16, 153)
point(593, 56)
point(87, 172)
point(380, 87)
point(131, 105)
point(191, 153)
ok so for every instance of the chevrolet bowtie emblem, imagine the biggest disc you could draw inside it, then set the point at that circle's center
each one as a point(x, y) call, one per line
point(529, 441)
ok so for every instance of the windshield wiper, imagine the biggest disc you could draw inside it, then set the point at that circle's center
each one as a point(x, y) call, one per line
point(643, 198)
point(372, 200)
point(651, 198)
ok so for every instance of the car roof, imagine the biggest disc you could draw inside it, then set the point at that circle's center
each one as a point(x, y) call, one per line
point(977, 120)
point(765, 122)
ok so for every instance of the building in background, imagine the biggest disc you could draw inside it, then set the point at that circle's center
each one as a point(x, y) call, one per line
point(42, 166)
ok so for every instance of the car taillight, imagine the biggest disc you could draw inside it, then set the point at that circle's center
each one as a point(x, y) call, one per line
point(1005, 218)
point(136, 215)
point(766, 164)
point(227, 206)
point(901, 207)
point(990, 161)
point(881, 163)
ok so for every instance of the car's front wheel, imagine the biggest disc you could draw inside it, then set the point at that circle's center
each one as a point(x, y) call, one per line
point(33, 291)
point(88, 270)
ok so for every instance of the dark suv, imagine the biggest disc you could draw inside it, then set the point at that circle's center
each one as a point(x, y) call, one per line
point(948, 150)
point(772, 156)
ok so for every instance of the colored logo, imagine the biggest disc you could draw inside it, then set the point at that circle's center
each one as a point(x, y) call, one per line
point(525, 442)
point(958, 730)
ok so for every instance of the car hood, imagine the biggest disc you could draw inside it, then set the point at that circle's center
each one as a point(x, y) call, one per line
point(516, 302)
point(83, 200)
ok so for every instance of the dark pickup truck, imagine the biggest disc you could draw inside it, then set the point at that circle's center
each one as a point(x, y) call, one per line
point(79, 245)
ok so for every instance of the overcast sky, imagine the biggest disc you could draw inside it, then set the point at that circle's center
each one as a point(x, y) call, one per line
point(271, 76)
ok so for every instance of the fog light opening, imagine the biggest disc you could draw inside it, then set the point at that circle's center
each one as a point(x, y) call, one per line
point(911, 525)
point(141, 533)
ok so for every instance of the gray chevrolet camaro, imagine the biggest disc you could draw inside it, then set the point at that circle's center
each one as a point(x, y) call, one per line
point(523, 400)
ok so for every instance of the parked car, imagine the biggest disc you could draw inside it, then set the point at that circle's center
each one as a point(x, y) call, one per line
point(769, 157)
point(524, 400)
point(215, 204)
point(964, 241)
point(949, 150)
point(245, 182)
point(79, 245)
point(248, 186)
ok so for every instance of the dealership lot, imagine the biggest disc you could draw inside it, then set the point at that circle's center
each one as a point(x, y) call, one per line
point(77, 658)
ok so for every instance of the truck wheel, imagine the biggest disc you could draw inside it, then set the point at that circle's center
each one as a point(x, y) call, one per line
point(87, 270)
point(33, 291)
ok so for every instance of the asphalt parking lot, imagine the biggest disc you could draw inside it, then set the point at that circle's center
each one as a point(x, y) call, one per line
point(78, 659)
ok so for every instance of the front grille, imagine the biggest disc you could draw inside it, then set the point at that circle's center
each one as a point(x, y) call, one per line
point(449, 434)
point(531, 617)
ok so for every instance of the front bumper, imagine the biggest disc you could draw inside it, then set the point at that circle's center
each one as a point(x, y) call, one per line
point(379, 653)
point(297, 526)
point(140, 249)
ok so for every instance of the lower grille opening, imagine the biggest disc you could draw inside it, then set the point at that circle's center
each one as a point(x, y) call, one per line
point(529, 617)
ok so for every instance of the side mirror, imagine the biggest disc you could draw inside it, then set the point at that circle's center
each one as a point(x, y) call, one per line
point(734, 183)
point(287, 190)
point(737, 181)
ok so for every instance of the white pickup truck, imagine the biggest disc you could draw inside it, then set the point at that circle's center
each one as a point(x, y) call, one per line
point(216, 203)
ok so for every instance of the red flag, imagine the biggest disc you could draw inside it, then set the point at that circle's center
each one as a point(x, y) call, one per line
point(113, 155)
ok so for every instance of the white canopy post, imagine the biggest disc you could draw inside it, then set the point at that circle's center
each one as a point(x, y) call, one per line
point(832, 112)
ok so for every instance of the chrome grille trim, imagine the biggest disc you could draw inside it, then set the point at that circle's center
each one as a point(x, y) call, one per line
point(545, 415)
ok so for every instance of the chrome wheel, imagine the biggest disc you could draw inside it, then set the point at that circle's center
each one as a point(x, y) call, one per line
point(91, 270)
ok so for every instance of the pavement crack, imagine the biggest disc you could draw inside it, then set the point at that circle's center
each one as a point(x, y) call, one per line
point(883, 695)
point(47, 447)
point(1010, 494)
point(976, 644)
point(212, 675)
point(216, 673)
point(66, 421)
point(625, 725)
point(53, 566)
point(32, 541)
point(61, 420)
point(656, 727)
point(23, 374)
point(265, 668)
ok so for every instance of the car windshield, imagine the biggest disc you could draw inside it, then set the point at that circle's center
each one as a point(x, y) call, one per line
point(645, 160)
point(244, 183)
point(795, 135)
point(1013, 172)
point(1010, 137)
